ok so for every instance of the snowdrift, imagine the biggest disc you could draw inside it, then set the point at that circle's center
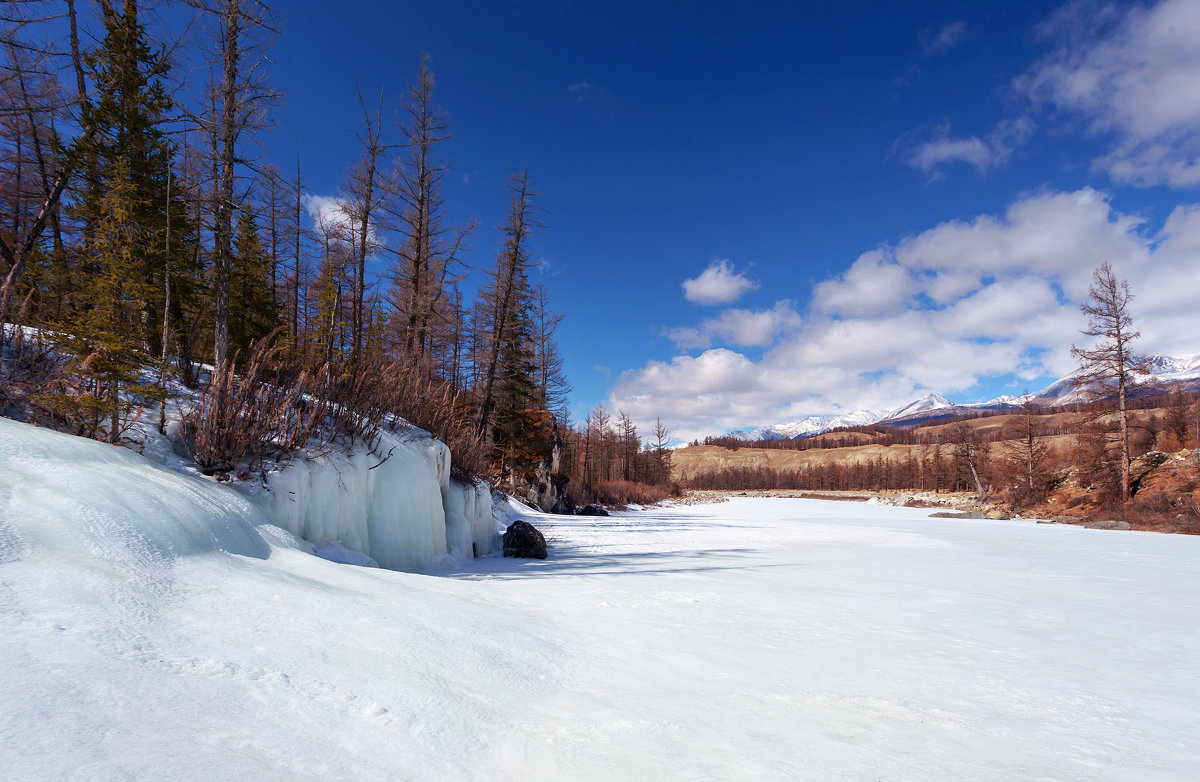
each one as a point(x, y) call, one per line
point(82, 493)
point(158, 626)
point(402, 512)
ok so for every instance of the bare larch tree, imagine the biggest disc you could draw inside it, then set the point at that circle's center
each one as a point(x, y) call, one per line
point(1109, 365)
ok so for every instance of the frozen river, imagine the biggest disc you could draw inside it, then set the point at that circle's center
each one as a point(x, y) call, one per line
point(155, 630)
point(799, 639)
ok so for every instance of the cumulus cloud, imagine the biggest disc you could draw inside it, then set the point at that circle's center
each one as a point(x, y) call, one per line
point(334, 215)
point(873, 284)
point(939, 311)
point(1133, 73)
point(331, 212)
point(718, 284)
point(739, 327)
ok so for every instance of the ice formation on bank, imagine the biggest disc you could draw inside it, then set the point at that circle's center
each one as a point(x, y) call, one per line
point(400, 507)
point(68, 490)
point(402, 512)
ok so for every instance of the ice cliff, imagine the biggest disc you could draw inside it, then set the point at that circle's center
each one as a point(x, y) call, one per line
point(398, 505)
point(402, 512)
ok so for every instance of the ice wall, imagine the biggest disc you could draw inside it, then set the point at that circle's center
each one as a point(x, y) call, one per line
point(471, 528)
point(403, 512)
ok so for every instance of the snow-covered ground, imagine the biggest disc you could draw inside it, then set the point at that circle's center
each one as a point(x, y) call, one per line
point(154, 626)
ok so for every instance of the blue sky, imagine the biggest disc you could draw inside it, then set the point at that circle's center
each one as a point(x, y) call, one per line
point(903, 198)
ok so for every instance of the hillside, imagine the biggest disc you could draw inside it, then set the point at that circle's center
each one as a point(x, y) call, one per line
point(1159, 371)
point(930, 458)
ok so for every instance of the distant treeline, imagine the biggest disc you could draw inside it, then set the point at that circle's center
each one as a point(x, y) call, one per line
point(952, 455)
point(928, 468)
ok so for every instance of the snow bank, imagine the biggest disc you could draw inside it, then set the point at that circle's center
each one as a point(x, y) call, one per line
point(97, 498)
point(156, 626)
point(404, 512)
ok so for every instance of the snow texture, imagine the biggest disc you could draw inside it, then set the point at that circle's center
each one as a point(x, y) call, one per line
point(156, 626)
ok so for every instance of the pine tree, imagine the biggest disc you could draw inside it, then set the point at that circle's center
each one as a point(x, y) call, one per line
point(129, 151)
point(114, 325)
point(516, 430)
point(252, 310)
point(505, 298)
point(102, 334)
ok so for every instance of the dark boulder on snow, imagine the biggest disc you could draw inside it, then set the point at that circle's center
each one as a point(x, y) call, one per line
point(522, 539)
point(592, 510)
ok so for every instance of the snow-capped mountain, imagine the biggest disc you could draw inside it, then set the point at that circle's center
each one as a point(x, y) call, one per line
point(1159, 369)
point(1174, 367)
point(814, 424)
point(1006, 400)
point(925, 404)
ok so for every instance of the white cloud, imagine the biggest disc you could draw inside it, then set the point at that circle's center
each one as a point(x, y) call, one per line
point(738, 327)
point(718, 284)
point(585, 91)
point(334, 215)
point(938, 311)
point(1134, 73)
point(331, 213)
point(873, 284)
point(944, 38)
point(932, 150)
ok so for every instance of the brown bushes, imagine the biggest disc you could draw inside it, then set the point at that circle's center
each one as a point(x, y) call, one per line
point(242, 419)
point(409, 393)
point(623, 493)
point(263, 412)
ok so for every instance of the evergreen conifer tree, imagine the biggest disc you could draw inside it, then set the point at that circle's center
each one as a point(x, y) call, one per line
point(114, 324)
point(252, 310)
point(103, 333)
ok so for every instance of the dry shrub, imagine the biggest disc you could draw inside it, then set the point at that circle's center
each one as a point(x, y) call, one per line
point(409, 392)
point(273, 412)
point(1162, 511)
point(629, 492)
point(29, 373)
point(243, 418)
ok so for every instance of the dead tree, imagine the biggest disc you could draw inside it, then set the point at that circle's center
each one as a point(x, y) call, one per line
point(429, 250)
point(1024, 456)
point(237, 96)
point(967, 450)
point(34, 207)
point(365, 193)
point(1109, 365)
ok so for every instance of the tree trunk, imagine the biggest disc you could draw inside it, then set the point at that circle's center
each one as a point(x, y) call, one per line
point(223, 224)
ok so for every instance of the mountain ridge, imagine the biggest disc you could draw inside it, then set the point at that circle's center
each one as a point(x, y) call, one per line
point(1060, 392)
